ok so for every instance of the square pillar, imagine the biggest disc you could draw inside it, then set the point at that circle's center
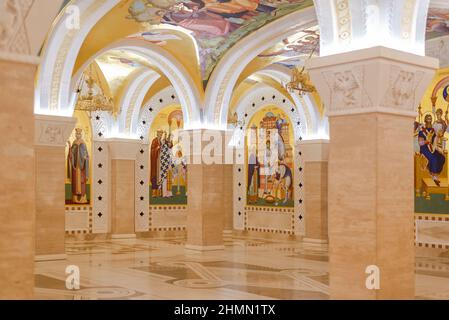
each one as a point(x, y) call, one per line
point(123, 154)
point(371, 97)
point(206, 198)
point(315, 154)
point(51, 135)
point(17, 187)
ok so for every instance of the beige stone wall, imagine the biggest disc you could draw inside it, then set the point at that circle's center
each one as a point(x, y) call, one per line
point(228, 197)
point(371, 197)
point(164, 217)
point(316, 190)
point(50, 195)
point(122, 196)
point(205, 217)
point(17, 199)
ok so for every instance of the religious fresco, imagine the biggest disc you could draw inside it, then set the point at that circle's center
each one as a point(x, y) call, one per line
point(437, 23)
point(269, 159)
point(216, 25)
point(431, 133)
point(293, 50)
point(168, 163)
point(117, 65)
point(78, 162)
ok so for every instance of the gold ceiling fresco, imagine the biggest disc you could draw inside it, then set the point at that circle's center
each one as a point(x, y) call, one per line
point(199, 32)
point(191, 30)
point(290, 52)
point(437, 23)
point(203, 30)
point(118, 65)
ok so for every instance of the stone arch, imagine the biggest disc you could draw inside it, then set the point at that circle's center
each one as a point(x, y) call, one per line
point(151, 109)
point(315, 124)
point(132, 99)
point(180, 79)
point(52, 92)
point(228, 70)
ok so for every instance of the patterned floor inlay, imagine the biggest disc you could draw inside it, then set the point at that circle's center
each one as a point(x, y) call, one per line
point(249, 269)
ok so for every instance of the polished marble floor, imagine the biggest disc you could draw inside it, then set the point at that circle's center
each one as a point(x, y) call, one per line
point(249, 269)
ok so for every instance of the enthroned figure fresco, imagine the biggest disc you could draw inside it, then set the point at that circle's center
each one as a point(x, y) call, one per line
point(431, 155)
point(168, 164)
point(78, 151)
point(269, 156)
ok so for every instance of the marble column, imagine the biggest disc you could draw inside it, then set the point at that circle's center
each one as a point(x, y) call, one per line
point(51, 135)
point(371, 97)
point(123, 154)
point(315, 155)
point(17, 198)
point(205, 202)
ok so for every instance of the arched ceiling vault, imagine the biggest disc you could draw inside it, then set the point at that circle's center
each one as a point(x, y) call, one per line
point(273, 77)
point(231, 66)
point(210, 51)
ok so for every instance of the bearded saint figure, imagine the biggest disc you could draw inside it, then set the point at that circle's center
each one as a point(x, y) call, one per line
point(78, 168)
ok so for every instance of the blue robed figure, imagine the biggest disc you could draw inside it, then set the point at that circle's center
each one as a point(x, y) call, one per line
point(435, 158)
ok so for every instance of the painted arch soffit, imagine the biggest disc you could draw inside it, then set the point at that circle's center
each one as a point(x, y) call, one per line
point(239, 61)
point(192, 30)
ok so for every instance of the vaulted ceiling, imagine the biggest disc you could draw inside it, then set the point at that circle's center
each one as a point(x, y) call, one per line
point(198, 33)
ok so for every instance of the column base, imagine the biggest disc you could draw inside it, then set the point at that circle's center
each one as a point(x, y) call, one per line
point(50, 257)
point(204, 248)
point(123, 236)
point(228, 233)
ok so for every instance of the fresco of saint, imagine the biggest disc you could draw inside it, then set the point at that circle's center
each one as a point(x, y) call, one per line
point(437, 23)
point(78, 168)
point(253, 176)
point(427, 139)
point(270, 180)
point(155, 160)
point(168, 166)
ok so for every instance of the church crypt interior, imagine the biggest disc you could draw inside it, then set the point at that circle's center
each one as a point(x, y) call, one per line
point(224, 150)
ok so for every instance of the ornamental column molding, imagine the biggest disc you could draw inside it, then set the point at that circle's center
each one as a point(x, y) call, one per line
point(371, 97)
point(50, 140)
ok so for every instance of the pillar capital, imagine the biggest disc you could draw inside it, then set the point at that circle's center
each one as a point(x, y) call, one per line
point(53, 131)
point(124, 149)
point(371, 80)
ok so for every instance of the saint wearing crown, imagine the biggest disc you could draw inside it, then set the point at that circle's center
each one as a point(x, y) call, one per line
point(78, 167)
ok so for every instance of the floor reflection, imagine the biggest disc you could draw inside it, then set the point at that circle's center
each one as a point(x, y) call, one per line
point(250, 269)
